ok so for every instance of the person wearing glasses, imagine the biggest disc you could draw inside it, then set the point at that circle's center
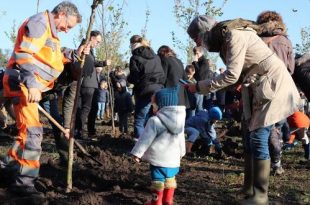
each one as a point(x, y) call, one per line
point(90, 84)
point(35, 64)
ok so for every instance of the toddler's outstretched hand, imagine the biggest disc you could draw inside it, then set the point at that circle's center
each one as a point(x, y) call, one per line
point(136, 159)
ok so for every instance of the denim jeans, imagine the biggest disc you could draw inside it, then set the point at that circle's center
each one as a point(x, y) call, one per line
point(199, 102)
point(141, 110)
point(192, 134)
point(257, 141)
point(101, 109)
point(211, 138)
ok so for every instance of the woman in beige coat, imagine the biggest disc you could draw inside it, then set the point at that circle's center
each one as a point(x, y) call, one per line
point(269, 93)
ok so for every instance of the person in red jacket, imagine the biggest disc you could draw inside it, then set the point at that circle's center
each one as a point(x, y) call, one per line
point(35, 64)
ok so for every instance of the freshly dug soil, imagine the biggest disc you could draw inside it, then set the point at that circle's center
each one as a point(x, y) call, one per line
point(203, 179)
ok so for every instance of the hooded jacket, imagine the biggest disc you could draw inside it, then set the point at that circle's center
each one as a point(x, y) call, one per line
point(201, 122)
point(162, 142)
point(123, 101)
point(274, 35)
point(146, 72)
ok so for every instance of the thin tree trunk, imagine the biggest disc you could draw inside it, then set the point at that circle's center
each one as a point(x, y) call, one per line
point(38, 3)
point(111, 94)
point(73, 117)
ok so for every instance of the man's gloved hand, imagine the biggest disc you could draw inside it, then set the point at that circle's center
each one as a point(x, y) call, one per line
point(34, 95)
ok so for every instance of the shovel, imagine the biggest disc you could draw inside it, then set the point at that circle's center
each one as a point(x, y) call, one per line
point(83, 150)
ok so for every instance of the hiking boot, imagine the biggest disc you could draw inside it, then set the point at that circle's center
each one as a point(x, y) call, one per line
point(25, 191)
point(278, 170)
point(191, 155)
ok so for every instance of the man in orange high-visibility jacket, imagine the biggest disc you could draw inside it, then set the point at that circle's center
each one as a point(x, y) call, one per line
point(32, 69)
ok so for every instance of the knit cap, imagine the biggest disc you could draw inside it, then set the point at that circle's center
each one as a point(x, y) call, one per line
point(200, 24)
point(167, 97)
point(215, 113)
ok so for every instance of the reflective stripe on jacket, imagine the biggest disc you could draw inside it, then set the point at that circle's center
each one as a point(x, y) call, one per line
point(37, 54)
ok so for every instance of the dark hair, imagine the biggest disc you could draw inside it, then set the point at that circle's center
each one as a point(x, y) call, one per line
point(165, 51)
point(267, 16)
point(188, 68)
point(95, 33)
point(135, 39)
point(69, 9)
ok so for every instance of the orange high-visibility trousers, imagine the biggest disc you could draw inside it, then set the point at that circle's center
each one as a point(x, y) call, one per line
point(25, 153)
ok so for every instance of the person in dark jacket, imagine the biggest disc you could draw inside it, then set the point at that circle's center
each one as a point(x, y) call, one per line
point(192, 97)
point(201, 64)
point(202, 72)
point(117, 75)
point(174, 71)
point(275, 36)
point(123, 105)
point(147, 76)
point(89, 84)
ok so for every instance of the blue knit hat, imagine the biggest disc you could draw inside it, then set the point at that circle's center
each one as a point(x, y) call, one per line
point(215, 113)
point(167, 97)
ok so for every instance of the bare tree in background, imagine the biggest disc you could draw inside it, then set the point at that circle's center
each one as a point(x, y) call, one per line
point(304, 47)
point(38, 4)
point(112, 26)
point(144, 29)
point(11, 35)
point(79, 37)
point(184, 12)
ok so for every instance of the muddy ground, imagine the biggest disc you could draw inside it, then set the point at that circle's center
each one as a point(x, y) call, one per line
point(203, 180)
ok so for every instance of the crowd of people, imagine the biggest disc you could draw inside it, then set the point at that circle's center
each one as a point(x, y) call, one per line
point(169, 115)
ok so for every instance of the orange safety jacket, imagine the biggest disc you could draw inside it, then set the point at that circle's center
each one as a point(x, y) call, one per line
point(37, 59)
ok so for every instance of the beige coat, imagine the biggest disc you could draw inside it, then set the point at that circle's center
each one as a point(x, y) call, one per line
point(250, 61)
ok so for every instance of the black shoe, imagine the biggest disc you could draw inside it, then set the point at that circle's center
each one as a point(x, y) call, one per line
point(25, 191)
point(191, 155)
